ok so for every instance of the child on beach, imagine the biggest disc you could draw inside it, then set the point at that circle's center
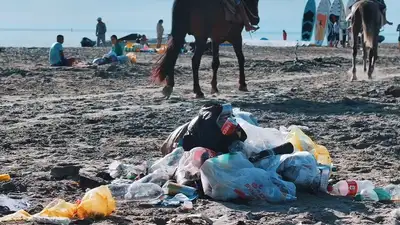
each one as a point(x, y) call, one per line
point(56, 54)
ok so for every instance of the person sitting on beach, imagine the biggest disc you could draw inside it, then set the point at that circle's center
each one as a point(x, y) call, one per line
point(116, 46)
point(56, 55)
point(144, 40)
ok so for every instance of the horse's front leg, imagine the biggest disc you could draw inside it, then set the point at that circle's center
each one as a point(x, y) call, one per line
point(215, 66)
point(365, 54)
point(237, 46)
point(196, 60)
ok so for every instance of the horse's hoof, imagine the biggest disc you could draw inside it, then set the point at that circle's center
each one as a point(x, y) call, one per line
point(214, 91)
point(199, 95)
point(167, 91)
point(243, 87)
point(353, 79)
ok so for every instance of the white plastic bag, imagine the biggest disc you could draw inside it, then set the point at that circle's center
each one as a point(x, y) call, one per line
point(232, 176)
point(190, 163)
point(259, 138)
point(168, 162)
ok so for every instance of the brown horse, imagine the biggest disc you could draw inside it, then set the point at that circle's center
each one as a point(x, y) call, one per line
point(203, 19)
point(366, 17)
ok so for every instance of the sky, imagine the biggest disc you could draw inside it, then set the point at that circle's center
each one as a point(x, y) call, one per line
point(133, 15)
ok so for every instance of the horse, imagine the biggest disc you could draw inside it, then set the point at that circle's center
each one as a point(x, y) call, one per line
point(366, 17)
point(203, 19)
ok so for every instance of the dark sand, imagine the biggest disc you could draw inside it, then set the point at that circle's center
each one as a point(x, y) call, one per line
point(91, 116)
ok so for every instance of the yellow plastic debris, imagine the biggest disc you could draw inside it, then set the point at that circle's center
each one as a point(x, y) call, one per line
point(132, 57)
point(96, 202)
point(20, 215)
point(5, 177)
point(59, 208)
point(129, 44)
point(302, 142)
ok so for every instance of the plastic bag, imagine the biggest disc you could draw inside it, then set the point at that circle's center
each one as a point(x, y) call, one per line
point(300, 168)
point(190, 163)
point(248, 117)
point(59, 208)
point(259, 138)
point(96, 202)
point(232, 176)
point(302, 142)
point(20, 215)
point(168, 162)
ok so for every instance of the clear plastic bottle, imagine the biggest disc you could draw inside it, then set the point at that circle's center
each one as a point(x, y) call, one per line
point(394, 191)
point(367, 195)
point(351, 187)
point(143, 192)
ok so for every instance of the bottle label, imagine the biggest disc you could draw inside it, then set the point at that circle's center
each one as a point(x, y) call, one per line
point(353, 188)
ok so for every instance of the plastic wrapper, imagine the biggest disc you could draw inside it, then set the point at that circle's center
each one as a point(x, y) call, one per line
point(190, 163)
point(59, 208)
point(259, 138)
point(20, 215)
point(97, 202)
point(247, 116)
point(169, 162)
point(231, 176)
point(302, 142)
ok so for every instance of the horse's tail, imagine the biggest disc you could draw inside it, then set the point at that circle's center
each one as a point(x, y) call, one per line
point(370, 25)
point(180, 24)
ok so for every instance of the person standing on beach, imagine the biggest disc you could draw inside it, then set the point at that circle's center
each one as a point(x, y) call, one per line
point(284, 35)
point(160, 33)
point(336, 35)
point(56, 55)
point(101, 30)
point(398, 30)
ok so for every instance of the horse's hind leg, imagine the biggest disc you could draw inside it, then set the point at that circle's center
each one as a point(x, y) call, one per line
point(370, 68)
point(237, 46)
point(373, 56)
point(215, 66)
point(196, 60)
point(356, 31)
point(365, 54)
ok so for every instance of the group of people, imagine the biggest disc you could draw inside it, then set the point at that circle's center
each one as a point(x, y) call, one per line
point(56, 54)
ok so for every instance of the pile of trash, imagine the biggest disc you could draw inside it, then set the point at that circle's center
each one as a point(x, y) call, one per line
point(222, 153)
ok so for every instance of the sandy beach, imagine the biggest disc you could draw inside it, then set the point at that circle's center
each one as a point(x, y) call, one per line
point(92, 115)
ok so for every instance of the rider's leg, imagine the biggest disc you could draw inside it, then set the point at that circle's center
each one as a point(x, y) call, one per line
point(245, 18)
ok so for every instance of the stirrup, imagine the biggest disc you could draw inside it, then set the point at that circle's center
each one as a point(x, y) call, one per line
point(255, 29)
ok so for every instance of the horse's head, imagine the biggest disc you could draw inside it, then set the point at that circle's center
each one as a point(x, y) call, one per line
point(252, 11)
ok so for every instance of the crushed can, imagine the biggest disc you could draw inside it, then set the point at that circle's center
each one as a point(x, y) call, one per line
point(229, 126)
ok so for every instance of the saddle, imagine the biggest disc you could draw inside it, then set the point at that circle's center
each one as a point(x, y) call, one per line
point(354, 9)
point(230, 8)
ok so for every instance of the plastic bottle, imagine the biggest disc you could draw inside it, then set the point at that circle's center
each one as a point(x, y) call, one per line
point(377, 194)
point(143, 192)
point(158, 177)
point(118, 190)
point(367, 195)
point(394, 191)
point(350, 187)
